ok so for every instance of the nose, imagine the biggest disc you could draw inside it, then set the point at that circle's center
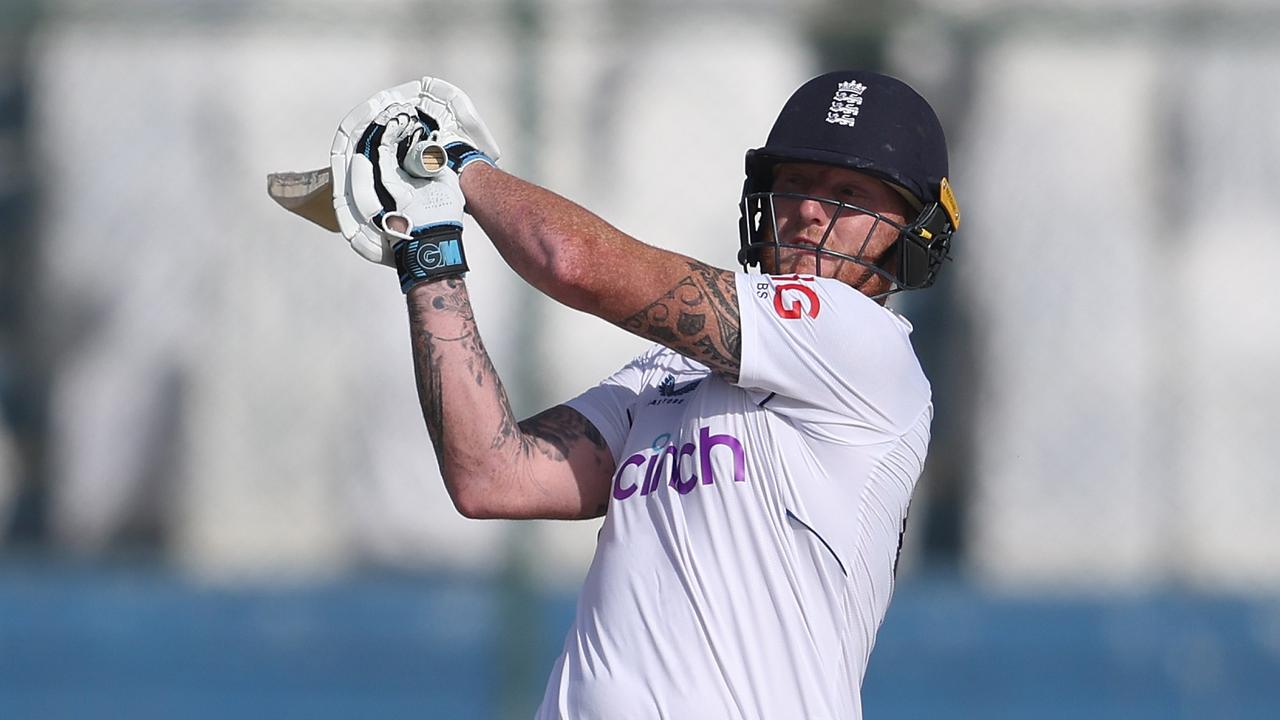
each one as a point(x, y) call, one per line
point(812, 212)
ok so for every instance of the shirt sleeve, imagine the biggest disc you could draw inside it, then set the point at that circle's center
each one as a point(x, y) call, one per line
point(610, 405)
point(828, 356)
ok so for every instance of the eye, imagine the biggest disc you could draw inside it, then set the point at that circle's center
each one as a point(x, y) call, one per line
point(789, 181)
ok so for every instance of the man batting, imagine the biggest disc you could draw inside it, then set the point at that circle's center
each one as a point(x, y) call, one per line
point(754, 468)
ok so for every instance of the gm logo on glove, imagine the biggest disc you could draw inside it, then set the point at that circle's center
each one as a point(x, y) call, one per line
point(434, 256)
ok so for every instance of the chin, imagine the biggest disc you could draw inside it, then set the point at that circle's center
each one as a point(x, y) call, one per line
point(806, 263)
point(790, 259)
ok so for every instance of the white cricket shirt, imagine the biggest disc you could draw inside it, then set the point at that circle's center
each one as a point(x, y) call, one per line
point(747, 556)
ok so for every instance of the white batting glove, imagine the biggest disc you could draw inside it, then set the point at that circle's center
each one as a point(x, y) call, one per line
point(446, 119)
point(426, 227)
point(420, 219)
point(410, 204)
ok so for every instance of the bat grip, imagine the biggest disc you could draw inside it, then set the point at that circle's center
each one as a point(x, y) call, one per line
point(425, 159)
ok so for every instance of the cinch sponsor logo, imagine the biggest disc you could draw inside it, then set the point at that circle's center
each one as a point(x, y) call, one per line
point(682, 468)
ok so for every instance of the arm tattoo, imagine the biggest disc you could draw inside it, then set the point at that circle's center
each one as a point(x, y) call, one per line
point(552, 434)
point(697, 318)
point(553, 431)
point(450, 297)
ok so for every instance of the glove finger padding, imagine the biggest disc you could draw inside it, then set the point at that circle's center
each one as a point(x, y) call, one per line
point(391, 183)
point(369, 148)
point(359, 197)
point(466, 121)
point(371, 163)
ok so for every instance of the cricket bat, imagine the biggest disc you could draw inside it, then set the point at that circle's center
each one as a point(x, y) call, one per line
point(306, 194)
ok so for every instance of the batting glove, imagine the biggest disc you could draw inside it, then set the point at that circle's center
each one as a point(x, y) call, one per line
point(435, 126)
point(419, 218)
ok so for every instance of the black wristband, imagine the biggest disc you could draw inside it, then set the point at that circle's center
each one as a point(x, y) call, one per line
point(435, 253)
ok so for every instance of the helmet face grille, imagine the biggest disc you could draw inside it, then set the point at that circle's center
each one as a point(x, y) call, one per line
point(911, 262)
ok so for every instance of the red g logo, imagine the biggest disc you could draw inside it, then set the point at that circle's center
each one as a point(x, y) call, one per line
point(793, 300)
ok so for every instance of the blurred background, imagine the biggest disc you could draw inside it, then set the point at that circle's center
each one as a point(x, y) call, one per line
point(217, 496)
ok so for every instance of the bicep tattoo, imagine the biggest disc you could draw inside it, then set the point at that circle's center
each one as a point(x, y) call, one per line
point(555, 434)
point(697, 318)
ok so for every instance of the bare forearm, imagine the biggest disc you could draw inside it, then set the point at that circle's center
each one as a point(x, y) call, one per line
point(464, 404)
point(554, 465)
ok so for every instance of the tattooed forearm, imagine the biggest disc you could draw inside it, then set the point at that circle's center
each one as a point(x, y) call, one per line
point(449, 297)
point(426, 363)
point(553, 465)
point(697, 318)
point(550, 432)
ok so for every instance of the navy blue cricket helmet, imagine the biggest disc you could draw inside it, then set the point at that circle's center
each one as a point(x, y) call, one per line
point(874, 124)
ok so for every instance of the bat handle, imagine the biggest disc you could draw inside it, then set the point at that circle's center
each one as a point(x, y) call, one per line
point(425, 159)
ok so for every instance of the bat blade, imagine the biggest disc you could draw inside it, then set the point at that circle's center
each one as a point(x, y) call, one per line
point(306, 194)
